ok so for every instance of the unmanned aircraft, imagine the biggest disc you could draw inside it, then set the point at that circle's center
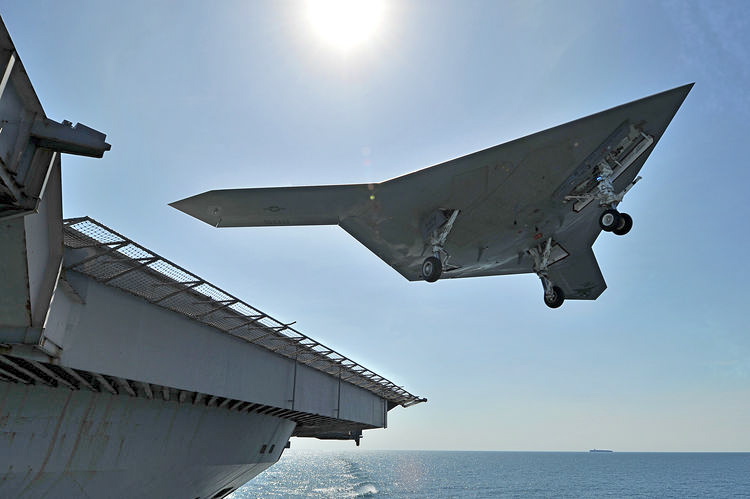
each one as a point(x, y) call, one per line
point(532, 205)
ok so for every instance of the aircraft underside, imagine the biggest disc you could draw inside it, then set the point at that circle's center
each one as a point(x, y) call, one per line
point(532, 205)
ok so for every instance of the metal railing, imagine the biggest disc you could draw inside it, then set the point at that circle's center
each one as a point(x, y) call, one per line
point(117, 261)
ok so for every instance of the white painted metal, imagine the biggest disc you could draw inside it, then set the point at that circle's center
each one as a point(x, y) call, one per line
point(6, 73)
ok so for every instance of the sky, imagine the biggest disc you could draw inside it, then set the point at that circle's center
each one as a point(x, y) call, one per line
point(196, 96)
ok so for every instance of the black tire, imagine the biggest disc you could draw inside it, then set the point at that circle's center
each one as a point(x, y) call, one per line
point(625, 226)
point(556, 300)
point(432, 268)
point(610, 220)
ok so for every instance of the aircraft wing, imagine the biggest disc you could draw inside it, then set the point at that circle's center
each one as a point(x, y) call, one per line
point(309, 205)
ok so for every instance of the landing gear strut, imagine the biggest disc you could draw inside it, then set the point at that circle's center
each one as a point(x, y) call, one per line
point(553, 295)
point(432, 267)
point(610, 220)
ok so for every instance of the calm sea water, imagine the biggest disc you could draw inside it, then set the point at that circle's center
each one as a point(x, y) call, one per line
point(442, 474)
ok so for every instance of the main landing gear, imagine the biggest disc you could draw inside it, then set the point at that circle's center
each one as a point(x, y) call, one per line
point(612, 220)
point(432, 267)
point(553, 295)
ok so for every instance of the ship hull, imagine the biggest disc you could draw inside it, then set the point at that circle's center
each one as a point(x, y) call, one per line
point(65, 443)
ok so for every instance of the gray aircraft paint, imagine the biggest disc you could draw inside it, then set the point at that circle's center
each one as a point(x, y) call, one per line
point(511, 198)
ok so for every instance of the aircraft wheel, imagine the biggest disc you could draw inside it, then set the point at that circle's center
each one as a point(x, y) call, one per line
point(610, 220)
point(625, 226)
point(431, 269)
point(557, 298)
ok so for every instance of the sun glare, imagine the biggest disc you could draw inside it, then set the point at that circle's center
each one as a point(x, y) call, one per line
point(345, 23)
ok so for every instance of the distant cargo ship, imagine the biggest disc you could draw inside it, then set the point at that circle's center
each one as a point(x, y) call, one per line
point(601, 450)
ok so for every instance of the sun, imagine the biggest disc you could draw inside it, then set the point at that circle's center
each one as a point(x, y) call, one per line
point(345, 24)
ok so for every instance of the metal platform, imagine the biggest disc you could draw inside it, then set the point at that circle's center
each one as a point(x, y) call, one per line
point(30, 372)
point(112, 259)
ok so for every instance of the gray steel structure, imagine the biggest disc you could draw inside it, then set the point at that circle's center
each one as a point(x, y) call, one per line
point(112, 259)
point(125, 375)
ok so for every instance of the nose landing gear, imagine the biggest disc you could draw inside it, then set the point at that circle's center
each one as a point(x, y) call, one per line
point(432, 268)
point(554, 297)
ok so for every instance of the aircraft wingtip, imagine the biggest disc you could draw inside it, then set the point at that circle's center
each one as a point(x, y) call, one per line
point(177, 204)
point(685, 90)
point(678, 94)
point(196, 207)
point(186, 206)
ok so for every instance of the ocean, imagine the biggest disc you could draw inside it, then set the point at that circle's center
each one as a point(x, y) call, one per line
point(444, 474)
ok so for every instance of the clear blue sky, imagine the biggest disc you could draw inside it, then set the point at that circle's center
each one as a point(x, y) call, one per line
point(204, 95)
